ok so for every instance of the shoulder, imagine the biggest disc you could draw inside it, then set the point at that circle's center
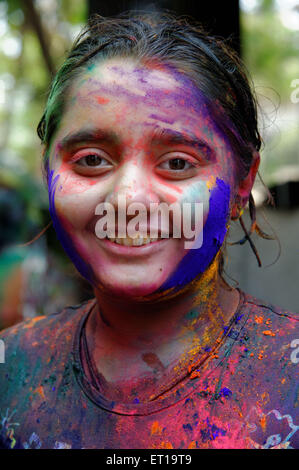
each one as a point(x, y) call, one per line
point(273, 332)
point(268, 319)
point(38, 347)
point(55, 322)
point(37, 366)
point(40, 335)
point(268, 306)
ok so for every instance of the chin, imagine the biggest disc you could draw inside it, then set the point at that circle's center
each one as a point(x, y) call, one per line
point(127, 288)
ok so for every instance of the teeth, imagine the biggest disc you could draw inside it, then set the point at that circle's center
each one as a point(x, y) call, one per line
point(139, 241)
point(128, 241)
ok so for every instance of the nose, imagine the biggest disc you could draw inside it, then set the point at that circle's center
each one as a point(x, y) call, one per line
point(132, 184)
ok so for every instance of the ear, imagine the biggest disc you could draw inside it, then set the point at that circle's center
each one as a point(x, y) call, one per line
point(244, 187)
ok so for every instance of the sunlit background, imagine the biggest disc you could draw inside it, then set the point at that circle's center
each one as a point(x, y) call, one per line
point(34, 37)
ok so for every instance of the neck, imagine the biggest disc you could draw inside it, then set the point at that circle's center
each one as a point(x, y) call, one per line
point(195, 315)
point(144, 348)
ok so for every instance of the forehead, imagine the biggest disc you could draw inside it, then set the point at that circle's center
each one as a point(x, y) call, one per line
point(134, 80)
point(131, 97)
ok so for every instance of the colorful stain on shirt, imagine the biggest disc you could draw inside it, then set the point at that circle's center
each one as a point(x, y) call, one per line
point(237, 400)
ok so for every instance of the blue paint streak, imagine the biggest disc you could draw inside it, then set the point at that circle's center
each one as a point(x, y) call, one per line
point(197, 261)
point(62, 236)
point(211, 432)
point(239, 318)
point(225, 392)
point(187, 427)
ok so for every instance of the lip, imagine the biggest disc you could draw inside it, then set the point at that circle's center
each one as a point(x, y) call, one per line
point(133, 251)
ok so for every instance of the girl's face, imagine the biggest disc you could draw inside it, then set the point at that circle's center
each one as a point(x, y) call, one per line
point(140, 133)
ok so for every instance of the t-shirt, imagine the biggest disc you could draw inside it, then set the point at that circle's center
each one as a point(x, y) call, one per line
point(244, 395)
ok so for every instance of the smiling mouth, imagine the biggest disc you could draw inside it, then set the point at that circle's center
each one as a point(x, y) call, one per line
point(136, 241)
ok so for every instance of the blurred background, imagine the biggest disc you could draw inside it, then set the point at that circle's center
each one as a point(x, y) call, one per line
point(35, 35)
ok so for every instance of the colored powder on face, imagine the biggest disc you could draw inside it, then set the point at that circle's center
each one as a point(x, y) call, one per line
point(62, 236)
point(197, 261)
point(162, 119)
point(90, 67)
point(102, 100)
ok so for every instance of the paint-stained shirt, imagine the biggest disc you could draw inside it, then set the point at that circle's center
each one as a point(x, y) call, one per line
point(246, 395)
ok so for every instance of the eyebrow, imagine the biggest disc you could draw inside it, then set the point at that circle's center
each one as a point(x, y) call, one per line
point(169, 136)
point(88, 135)
point(157, 136)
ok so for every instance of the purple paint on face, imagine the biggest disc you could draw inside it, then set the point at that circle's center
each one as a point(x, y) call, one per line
point(162, 119)
point(62, 236)
point(197, 261)
point(183, 96)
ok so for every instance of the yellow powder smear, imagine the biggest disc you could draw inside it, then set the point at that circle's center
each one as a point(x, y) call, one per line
point(166, 445)
point(261, 355)
point(189, 356)
point(156, 428)
point(40, 391)
point(211, 182)
point(192, 445)
point(263, 423)
point(268, 333)
point(32, 322)
point(194, 374)
point(204, 285)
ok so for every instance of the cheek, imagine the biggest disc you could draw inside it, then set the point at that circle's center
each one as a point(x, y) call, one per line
point(197, 261)
point(197, 192)
point(75, 198)
point(76, 209)
point(70, 182)
point(64, 229)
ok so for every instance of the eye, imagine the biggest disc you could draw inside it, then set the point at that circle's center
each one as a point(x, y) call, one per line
point(176, 164)
point(91, 163)
point(92, 160)
point(178, 168)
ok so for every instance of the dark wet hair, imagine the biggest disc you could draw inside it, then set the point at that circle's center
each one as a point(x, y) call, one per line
point(215, 69)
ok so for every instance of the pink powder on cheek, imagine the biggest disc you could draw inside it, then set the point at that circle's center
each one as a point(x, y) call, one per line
point(71, 183)
point(171, 186)
point(102, 100)
point(75, 185)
